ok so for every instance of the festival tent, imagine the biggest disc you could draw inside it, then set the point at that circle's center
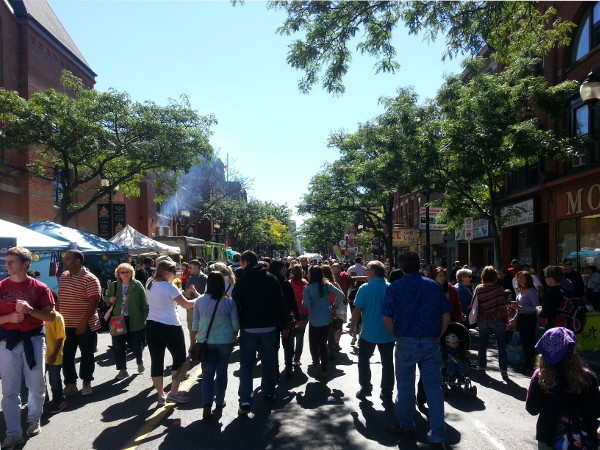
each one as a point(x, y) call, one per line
point(32, 240)
point(101, 257)
point(139, 244)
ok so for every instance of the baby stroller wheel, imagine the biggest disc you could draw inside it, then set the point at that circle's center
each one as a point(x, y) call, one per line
point(473, 391)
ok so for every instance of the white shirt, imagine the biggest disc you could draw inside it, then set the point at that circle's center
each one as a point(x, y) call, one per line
point(358, 269)
point(161, 302)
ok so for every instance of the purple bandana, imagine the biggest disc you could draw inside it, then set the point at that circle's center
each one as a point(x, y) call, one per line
point(555, 343)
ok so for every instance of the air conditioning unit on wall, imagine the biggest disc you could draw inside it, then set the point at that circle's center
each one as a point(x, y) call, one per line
point(162, 231)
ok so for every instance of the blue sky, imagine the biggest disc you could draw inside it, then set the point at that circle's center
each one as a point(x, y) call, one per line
point(231, 63)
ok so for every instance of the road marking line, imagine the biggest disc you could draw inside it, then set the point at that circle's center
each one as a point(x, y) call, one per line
point(486, 433)
point(158, 415)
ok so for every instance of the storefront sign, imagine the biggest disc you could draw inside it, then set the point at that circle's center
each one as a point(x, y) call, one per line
point(5, 244)
point(434, 222)
point(481, 229)
point(405, 237)
point(518, 214)
point(583, 200)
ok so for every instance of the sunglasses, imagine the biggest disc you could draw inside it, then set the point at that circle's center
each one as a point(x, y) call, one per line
point(125, 272)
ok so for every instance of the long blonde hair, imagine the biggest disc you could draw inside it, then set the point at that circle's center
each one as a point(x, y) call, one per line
point(225, 271)
point(166, 265)
point(574, 370)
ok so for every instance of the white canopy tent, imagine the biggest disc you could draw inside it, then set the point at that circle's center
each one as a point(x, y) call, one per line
point(30, 239)
point(311, 256)
point(139, 244)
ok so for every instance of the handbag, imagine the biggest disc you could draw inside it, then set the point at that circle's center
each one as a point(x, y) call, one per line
point(514, 351)
point(199, 351)
point(474, 313)
point(117, 326)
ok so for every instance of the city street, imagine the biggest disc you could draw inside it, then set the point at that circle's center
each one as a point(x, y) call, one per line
point(307, 414)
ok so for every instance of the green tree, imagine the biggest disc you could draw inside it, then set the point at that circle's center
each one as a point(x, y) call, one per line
point(511, 29)
point(489, 127)
point(322, 231)
point(364, 242)
point(77, 139)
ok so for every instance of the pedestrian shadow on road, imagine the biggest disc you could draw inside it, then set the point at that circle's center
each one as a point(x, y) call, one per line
point(318, 394)
point(464, 403)
point(375, 421)
point(508, 387)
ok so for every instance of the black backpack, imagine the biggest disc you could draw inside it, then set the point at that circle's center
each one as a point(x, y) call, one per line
point(569, 433)
point(570, 314)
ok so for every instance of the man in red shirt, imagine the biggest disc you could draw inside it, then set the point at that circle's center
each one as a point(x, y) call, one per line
point(79, 292)
point(25, 303)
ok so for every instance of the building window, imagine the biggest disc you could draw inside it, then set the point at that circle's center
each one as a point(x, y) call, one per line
point(585, 123)
point(588, 33)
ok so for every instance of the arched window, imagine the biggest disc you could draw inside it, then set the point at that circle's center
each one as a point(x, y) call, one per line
point(588, 33)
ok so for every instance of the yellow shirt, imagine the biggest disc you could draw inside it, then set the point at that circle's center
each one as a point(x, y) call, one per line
point(55, 331)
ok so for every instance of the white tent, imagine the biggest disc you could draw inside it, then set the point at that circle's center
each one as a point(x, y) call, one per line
point(138, 244)
point(30, 239)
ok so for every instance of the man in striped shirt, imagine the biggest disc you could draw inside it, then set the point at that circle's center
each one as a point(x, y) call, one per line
point(78, 292)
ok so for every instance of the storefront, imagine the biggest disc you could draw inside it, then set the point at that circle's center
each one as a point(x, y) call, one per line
point(577, 222)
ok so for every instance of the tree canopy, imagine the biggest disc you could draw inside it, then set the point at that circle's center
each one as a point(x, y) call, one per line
point(84, 135)
point(327, 29)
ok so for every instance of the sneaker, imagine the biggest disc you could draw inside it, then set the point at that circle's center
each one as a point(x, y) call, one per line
point(362, 394)
point(141, 368)
point(57, 406)
point(33, 427)
point(162, 401)
point(70, 389)
point(269, 398)
point(353, 342)
point(87, 388)
point(504, 375)
point(177, 397)
point(122, 375)
point(11, 442)
point(244, 409)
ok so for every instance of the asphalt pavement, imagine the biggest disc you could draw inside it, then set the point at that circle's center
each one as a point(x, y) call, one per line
point(307, 414)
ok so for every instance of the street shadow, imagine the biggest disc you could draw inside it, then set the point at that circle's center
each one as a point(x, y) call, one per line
point(318, 394)
point(375, 421)
point(129, 407)
point(119, 435)
point(508, 387)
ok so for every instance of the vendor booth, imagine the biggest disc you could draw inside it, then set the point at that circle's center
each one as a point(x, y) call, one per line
point(44, 249)
point(101, 256)
point(138, 244)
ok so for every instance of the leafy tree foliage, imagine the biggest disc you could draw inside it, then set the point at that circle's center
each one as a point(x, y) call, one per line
point(322, 231)
point(79, 138)
point(511, 29)
point(255, 225)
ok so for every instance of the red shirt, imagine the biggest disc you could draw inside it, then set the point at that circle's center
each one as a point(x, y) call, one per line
point(344, 280)
point(33, 292)
point(298, 287)
point(75, 292)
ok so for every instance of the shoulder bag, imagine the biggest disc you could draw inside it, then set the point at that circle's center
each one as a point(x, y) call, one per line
point(474, 313)
point(199, 352)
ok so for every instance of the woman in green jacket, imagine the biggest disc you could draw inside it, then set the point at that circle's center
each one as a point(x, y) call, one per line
point(129, 299)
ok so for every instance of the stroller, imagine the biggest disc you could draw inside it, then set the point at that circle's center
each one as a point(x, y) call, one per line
point(458, 334)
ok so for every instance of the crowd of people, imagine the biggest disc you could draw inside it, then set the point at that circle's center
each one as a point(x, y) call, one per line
point(263, 305)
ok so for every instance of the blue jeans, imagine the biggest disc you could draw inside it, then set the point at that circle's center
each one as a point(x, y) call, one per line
point(457, 368)
point(250, 343)
point(218, 360)
point(386, 353)
point(498, 328)
point(55, 381)
point(13, 369)
point(424, 352)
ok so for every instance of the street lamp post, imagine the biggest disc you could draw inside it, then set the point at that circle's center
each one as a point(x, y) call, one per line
point(104, 182)
point(590, 86)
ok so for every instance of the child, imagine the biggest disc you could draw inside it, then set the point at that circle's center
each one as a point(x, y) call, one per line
point(55, 340)
point(563, 388)
point(455, 358)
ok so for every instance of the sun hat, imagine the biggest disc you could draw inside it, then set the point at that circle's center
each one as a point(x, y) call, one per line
point(555, 343)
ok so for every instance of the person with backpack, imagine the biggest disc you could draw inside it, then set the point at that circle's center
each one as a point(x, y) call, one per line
point(564, 393)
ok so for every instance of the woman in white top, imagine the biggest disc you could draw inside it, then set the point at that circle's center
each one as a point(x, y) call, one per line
point(164, 330)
